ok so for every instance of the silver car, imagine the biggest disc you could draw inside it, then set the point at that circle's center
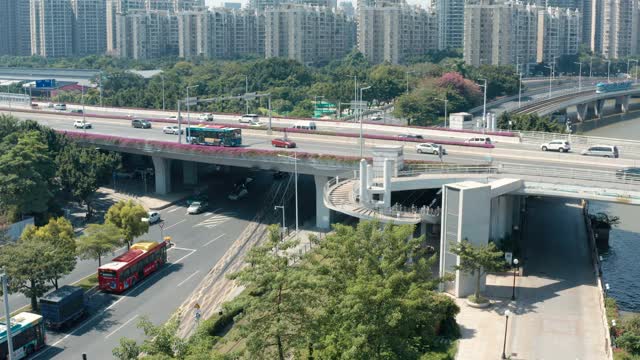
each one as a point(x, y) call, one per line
point(197, 207)
point(429, 148)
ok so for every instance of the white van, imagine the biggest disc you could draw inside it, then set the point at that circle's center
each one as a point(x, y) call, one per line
point(248, 118)
point(305, 125)
point(62, 107)
point(479, 140)
point(607, 151)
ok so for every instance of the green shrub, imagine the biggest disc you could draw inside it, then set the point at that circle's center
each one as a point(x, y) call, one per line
point(630, 342)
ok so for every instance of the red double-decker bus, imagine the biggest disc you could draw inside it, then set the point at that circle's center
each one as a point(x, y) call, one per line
point(131, 267)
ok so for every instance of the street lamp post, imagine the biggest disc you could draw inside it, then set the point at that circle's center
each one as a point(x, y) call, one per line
point(162, 77)
point(407, 78)
point(7, 315)
point(446, 102)
point(246, 90)
point(361, 137)
point(295, 174)
point(189, 113)
point(283, 224)
point(506, 323)
point(590, 67)
point(579, 76)
point(520, 90)
point(550, 77)
point(83, 118)
point(608, 70)
point(515, 270)
point(484, 103)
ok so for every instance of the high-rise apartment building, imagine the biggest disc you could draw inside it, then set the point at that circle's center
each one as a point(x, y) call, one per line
point(559, 33)
point(15, 29)
point(220, 33)
point(89, 27)
point(51, 28)
point(500, 33)
point(618, 36)
point(147, 34)
point(114, 7)
point(450, 23)
point(396, 33)
point(308, 34)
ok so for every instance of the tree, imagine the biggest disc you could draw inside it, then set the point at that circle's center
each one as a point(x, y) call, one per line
point(378, 291)
point(61, 256)
point(26, 169)
point(478, 260)
point(162, 340)
point(272, 323)
point(82, 170)
point(98, 239)
point(127, 350)
point(127, 216)
point(528, 122)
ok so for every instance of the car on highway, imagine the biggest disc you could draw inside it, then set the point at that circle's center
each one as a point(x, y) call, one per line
point(608, 151)
point(76, 111)
point(376, 118)
point(80, 124)
point(630, 173)
point(256, 124)
point(197, 207)
point(153, 217)
point(479, 140)
point(283, 143)
point(172, 129)
point(61, 107)
point(556, 145)
point(248, 118)
point(429, 148)
point(205, 117)
point(141, 123)
point(410, 136)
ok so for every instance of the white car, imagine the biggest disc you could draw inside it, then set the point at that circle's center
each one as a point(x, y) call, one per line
point(429, 148)
point(206, 117)
point(154, 217)
point(248, 118)
point(174, 117)
point(79, 124)
point(172, 129)
point(256, 124)
point(196, 207)
point(556, 145)
point(376, 118)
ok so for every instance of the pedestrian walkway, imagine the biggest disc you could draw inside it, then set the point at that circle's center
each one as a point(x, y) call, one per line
point(556, 314)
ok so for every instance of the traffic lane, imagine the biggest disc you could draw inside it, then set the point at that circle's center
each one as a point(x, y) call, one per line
point(158, 297)
point(345, 146)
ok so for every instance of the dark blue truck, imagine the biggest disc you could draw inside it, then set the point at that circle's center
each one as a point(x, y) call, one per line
point(63, 306)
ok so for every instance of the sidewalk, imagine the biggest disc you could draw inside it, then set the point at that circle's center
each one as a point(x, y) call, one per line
point(149, 201)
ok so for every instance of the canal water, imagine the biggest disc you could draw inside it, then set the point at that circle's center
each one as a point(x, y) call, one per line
point(621, 263)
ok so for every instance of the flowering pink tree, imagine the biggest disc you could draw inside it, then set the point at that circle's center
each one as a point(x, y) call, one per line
point(466, 88)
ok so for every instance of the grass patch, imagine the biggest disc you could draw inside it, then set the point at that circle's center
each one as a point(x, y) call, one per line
point(88, 282)
point(478, 300)
point(620, 354)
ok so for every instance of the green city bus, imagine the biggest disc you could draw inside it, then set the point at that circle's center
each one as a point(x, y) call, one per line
point(27, 333)
point(214, 135)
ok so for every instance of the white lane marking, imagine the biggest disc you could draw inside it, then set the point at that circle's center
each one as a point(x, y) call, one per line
point(215, 220)
point(210, 241)
point(121, 326)
point(179, 248)
point(174, 209)
point(172, 225)
point(188, 277)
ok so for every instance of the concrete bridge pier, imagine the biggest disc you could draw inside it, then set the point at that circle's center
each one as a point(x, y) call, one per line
point(162, 172)
point(622, 104)
point(582, 111)
point(323, 213)
point(190, 173)
point(599, 107)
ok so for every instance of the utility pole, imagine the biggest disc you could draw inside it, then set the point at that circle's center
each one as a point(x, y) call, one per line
point(579, 76)
point(361, 135)
point(162, 77)
point(484, 106)
point(189, 113)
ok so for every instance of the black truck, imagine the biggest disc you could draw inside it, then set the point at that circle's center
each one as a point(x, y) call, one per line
point(63, 306)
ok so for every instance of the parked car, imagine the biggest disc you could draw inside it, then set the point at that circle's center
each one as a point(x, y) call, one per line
point(376, 118)
point(61, 107)
point(154, 217)
point(197, 207)
point(630, 173)
point(283, 143)
point(556, 145)
point(248, 118)
point(76, 111)
point(429, 148)
point(479, 140)
point(206, 117)
point(141, 123)
point(80, 124)
point(172, 129)
point(608, 151)
point(63, 306)
point(410, 136)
